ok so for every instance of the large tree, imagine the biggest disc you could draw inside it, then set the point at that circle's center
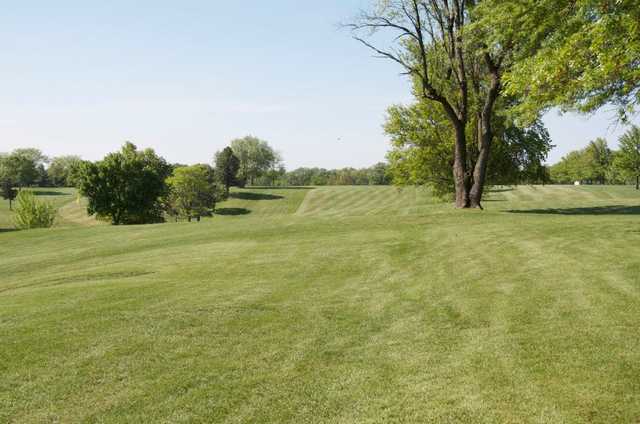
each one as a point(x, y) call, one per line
point(628, 157)
point(126, 186)
point(422, 141)
point(256, 158)
point(455, 66)
point(227, 166)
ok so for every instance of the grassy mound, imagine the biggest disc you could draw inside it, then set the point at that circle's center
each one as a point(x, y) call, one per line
point(401, 310)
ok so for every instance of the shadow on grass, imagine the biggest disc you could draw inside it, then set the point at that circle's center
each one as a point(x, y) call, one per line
point(50, 193)
point(280, 188)
point(255, 196)
point(7, 230)
point(499, 189)
point(232, 211)
point(595, 210)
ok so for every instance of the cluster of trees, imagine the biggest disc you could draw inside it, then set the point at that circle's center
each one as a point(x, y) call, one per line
point(374, 175)
point(29, 167)
point(135, 186)
point(598, 164)
point(138, 187)
point(483, 73)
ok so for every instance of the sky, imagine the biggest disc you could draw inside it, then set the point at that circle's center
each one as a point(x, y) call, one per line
point(185, 78)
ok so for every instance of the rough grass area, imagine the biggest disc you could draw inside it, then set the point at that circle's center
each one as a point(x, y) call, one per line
point(358, 305)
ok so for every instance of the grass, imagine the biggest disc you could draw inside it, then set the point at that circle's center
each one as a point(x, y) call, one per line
point(71, 211)
point(332, 305)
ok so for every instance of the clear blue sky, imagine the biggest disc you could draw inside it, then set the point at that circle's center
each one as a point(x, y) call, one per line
point(80, 77)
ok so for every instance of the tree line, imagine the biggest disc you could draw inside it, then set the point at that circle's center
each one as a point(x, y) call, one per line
point(598, 164)
point(377, 174)
point(133, 186)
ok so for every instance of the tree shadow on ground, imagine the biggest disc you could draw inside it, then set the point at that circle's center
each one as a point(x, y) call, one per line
point(279, 188)
point(51, 193)
point(255, 196)
point(499, 189)
point(7, 230)
point(594, 210)
point(232, 211)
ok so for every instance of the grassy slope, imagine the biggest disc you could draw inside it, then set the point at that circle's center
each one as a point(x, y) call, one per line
point(70, 211)
point(366, 305)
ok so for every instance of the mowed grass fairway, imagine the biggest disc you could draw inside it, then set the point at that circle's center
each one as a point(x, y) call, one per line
point(332, 305)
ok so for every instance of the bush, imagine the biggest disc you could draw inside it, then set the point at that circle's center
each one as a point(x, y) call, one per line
point(31, 213)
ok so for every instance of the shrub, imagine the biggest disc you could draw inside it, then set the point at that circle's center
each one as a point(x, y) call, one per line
point(31, 213)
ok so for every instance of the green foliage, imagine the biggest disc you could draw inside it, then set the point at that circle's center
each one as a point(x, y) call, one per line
point(576, 54)
point(32, 213)
point(23, 166)
point(256, 158)
point(593, 164)
point(628, 158)
point(193, 192)
point(63, 169)
point(126, 186)
point(227, 166)
point(274, 177)
point(422, 140)
point(374, 175)
point(421, 145)
point(7, 190)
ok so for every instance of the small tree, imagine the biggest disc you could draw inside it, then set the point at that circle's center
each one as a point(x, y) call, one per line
point(192, 192)
point(31, 213)
point(8, 192)
point(598, 156)
point(126, 187)
point(628, 158)
point(227, 166)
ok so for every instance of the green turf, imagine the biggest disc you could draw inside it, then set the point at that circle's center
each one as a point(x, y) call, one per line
point(332, 305)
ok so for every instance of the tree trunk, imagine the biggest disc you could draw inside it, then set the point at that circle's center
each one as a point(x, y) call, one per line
point(485, 135)
point(480, 169)
point(460, 176)
point(638, 182)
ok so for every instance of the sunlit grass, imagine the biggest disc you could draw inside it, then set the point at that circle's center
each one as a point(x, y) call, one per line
point(345, 304)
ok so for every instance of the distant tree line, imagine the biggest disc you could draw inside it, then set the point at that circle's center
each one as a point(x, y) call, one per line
point(374, 175)
point(598, 164)
point(133, 186)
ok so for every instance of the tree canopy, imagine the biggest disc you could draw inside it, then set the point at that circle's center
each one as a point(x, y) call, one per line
point(192, 192)
point(422, 141)
point(22, 166)
point(63, 169)
point(256, 158)
point(628, 158)
point(574, 54)
point(227, 167)
point(126, 186)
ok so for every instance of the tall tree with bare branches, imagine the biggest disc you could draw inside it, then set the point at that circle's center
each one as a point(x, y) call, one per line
point(437, 44)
